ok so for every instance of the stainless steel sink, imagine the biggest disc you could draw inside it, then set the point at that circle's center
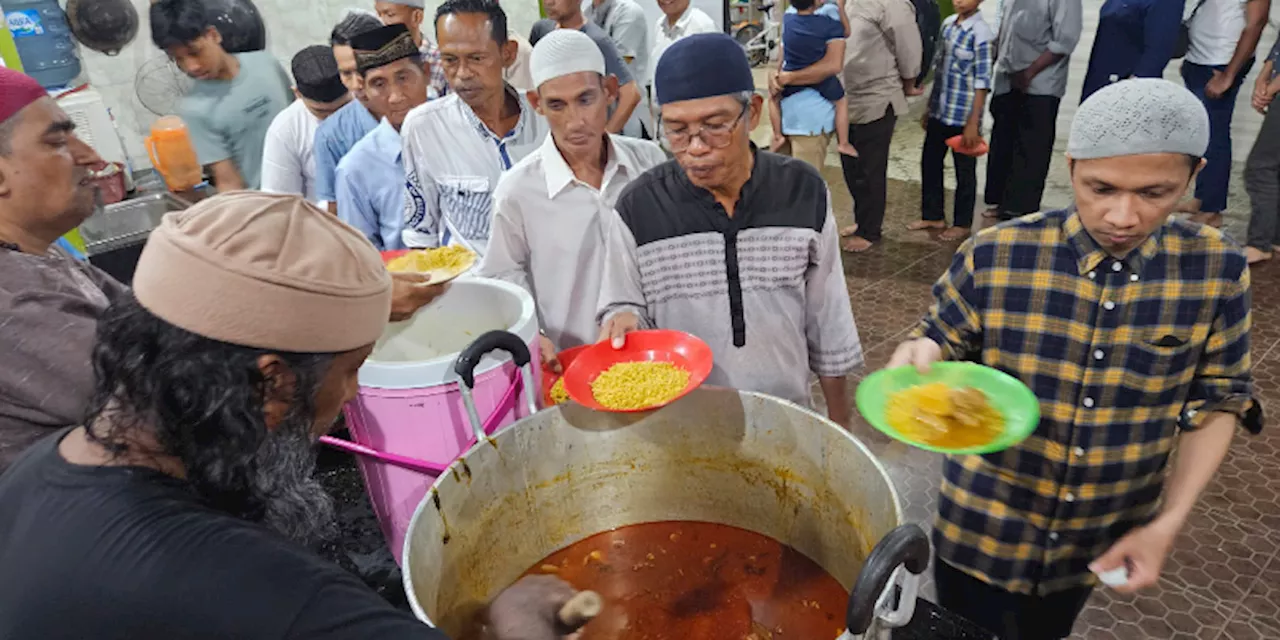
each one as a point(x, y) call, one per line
point(127, 223)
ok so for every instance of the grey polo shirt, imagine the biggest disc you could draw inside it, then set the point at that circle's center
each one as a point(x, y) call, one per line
point(1028, 28)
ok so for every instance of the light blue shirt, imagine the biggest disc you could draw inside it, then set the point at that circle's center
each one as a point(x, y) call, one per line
point(807, 113)
point(370, 187)
point(335, 137)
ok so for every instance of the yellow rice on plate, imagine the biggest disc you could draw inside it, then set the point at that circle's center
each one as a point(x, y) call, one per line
point(637, 385)
point(443, 263)
point(557, 393)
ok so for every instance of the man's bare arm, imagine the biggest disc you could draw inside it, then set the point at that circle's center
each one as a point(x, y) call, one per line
point(226, 177)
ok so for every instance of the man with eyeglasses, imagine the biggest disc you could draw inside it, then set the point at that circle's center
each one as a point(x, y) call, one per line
point(730, 243)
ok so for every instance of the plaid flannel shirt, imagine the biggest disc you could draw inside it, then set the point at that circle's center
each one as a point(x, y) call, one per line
point(961, 67)
point(1122, 353)
point(438, 85)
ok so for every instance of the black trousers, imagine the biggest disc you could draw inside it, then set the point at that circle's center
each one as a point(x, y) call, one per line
point(1011, 616)
point(932, 191)
point(867, 176)
point(1021, 148)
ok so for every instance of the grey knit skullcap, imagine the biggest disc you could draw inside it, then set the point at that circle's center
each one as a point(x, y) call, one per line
point(1139, 116)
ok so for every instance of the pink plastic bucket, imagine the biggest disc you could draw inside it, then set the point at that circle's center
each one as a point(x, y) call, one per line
point(411, 418)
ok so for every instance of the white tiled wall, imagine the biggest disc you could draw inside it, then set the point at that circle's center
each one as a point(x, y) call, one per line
point(291, 25)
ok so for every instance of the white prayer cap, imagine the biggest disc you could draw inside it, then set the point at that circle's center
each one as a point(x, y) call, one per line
point(562, 52)
point(1139, 116)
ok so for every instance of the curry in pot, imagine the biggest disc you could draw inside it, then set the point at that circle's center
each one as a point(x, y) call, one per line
point(699, 581)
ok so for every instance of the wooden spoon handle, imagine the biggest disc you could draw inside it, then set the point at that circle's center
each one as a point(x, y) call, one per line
point(580, 609)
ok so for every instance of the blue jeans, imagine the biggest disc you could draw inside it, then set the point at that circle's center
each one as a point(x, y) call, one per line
point(1211, 186)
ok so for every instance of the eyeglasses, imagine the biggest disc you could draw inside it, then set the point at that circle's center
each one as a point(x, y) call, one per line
point(716, 136)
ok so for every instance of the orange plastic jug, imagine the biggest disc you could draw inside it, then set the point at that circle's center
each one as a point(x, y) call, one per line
point(173, 155)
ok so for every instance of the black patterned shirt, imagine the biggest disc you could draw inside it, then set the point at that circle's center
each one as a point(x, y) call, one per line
point(764, 288)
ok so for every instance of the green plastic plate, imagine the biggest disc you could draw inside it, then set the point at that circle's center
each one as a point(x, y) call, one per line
point(1007, 394)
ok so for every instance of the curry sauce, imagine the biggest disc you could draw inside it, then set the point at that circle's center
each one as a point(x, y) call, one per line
point(698, 580)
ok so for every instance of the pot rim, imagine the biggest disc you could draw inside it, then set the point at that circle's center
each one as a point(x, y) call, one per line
point(406, 577)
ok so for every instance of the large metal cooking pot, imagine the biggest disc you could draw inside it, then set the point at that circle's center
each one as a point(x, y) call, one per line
point(564, 474)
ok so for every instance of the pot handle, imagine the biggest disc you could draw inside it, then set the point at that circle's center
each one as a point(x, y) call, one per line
point(906, 546)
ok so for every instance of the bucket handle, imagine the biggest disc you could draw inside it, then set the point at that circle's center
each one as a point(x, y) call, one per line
point(470, 358)
point(906, 547)
point(465, 367)
point(412, 464)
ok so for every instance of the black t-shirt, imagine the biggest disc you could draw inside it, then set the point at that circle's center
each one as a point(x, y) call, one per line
point(128, 553)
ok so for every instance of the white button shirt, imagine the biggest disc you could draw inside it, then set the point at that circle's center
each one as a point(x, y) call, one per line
point(452, 163)
point(692, 21)
point(547, 234)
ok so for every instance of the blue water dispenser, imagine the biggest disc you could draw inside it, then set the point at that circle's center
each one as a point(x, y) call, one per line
point(43, 39)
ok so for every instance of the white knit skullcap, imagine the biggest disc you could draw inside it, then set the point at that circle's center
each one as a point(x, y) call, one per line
point(1139, 116)
point(562, 52)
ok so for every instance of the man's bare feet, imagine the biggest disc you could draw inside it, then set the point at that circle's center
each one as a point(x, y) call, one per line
point(954, 233)
point(848, 231)
point(777, 143)
point(992, 212)
point(847, 149)
point(856, 244)
point(1208, 219)
point(1256, 255)
point(925, 225)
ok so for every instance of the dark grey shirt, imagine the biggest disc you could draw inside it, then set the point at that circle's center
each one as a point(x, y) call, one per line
point(613, 64)
point(1029, 28)
point(49, 310)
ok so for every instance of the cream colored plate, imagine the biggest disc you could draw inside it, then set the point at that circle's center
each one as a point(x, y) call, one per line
point(441, 276)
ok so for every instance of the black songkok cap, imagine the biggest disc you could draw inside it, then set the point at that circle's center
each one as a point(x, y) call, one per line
point(315, 73)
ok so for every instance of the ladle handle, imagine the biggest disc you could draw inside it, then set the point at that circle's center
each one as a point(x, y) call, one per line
point(580, 609)
point(907, 545)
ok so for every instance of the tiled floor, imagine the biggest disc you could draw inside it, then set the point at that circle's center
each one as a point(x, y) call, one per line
point(1222, 581)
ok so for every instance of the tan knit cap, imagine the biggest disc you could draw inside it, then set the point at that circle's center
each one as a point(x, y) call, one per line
point(267, 271)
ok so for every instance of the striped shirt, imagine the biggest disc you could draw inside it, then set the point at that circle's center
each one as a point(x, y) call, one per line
point(962, 67)
point(452, 162)
point(764, 288)
point(1123, 355)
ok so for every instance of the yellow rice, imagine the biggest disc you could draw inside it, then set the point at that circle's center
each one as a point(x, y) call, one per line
point(637, 385)
point(557, 393)
point(451, 259)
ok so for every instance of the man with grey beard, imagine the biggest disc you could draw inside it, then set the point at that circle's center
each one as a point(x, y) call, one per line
point(176, 509)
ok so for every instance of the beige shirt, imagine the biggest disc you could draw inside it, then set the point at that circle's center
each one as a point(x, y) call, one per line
point(518, 74)
point(547, 235)
point(884, 47)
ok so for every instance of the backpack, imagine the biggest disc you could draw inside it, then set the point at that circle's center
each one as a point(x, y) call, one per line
point(929, 21)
